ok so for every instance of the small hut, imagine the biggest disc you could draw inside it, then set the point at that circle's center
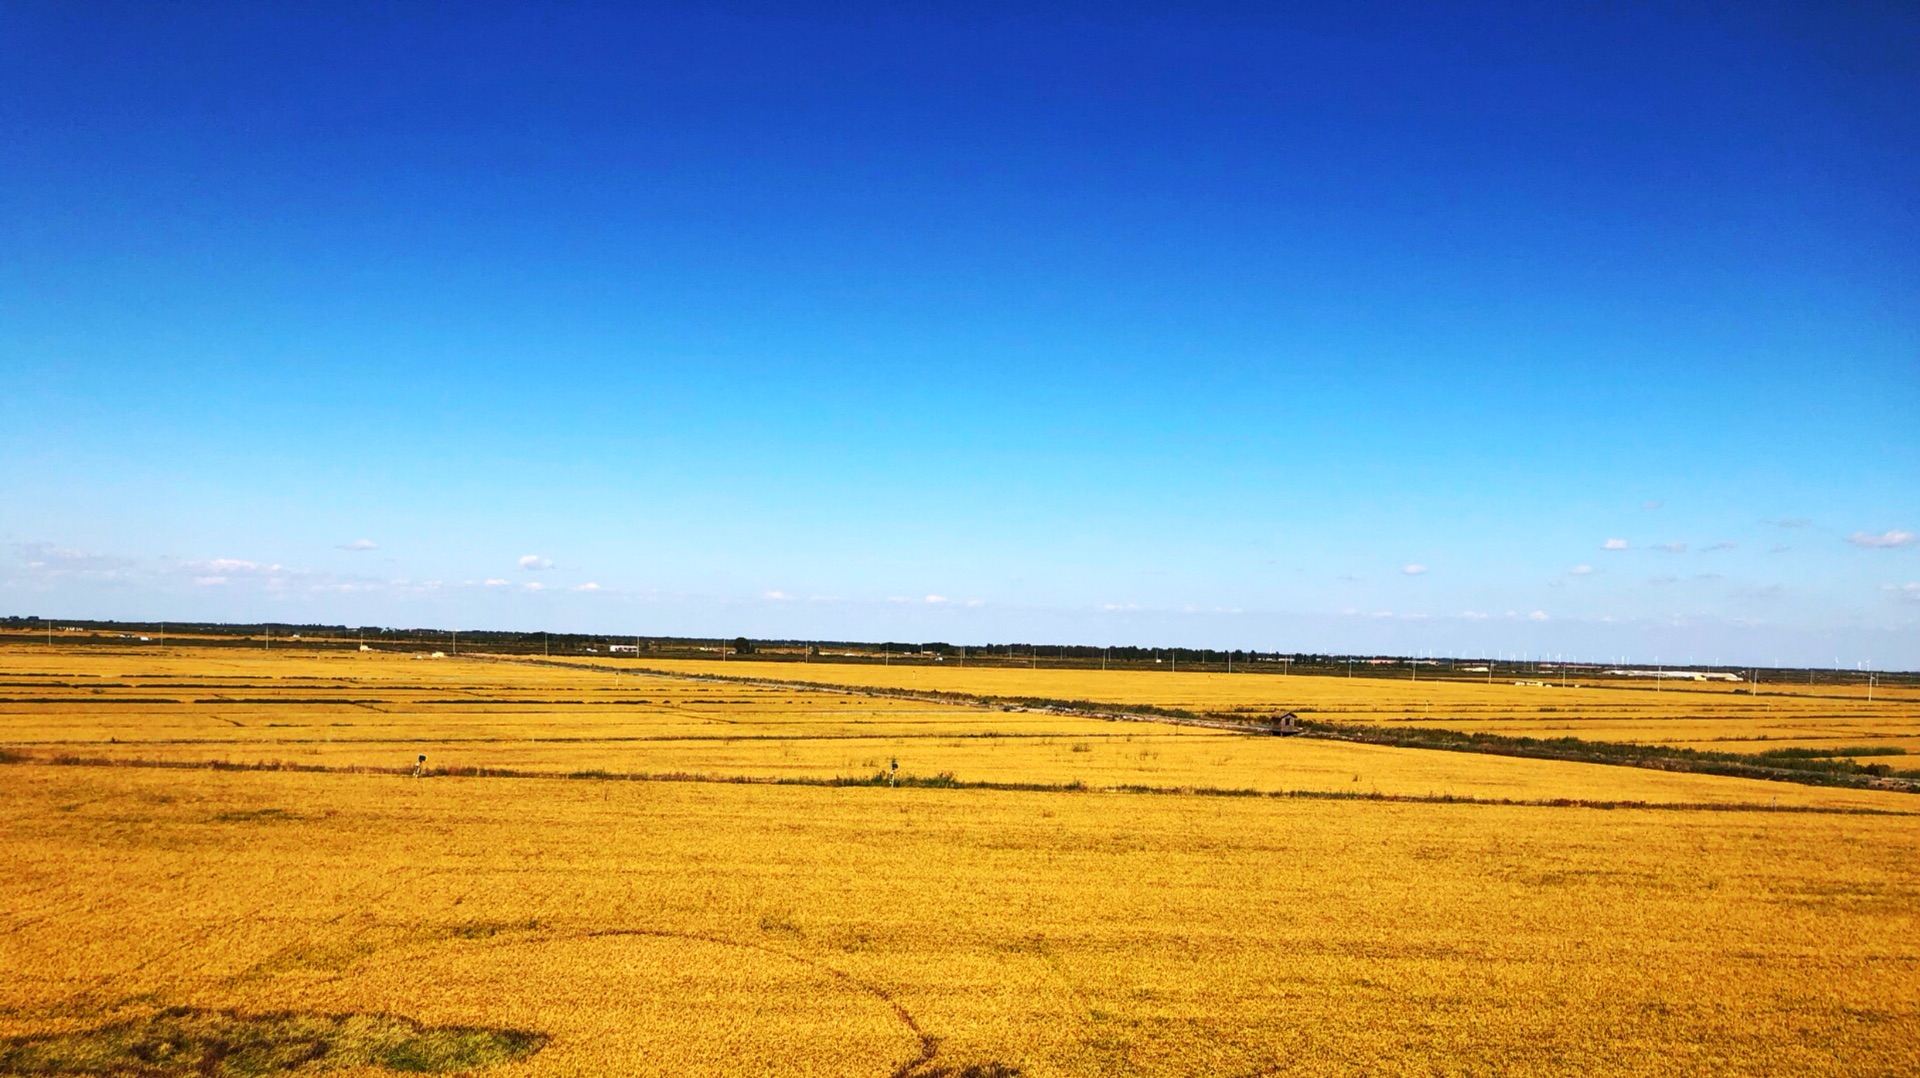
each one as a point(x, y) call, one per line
point(1286, 725)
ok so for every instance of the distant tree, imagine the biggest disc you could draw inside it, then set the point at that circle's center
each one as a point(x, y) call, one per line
point(742, 646)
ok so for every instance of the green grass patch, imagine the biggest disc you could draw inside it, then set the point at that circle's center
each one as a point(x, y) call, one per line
point(224, 1044)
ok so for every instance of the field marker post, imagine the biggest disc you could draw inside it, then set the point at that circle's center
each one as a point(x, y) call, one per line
point(419, 765)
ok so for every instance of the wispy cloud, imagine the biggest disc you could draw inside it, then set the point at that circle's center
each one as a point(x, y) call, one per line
point(1580, 570)
point(359, 544)
point(1884, 540)
point(589, 587)
point(235, 567)
point(51, 560)
point(495, 582)
point(1652, 504)
point(1906, 593)
point(1614, 544)
point(1667, 579)
point(1538, 615)
point(1724, 544)
point(1791, 522)
point(776, 595)
point(1671, 548)
point(1414, 569)
point(936, 599)
point(534, 563)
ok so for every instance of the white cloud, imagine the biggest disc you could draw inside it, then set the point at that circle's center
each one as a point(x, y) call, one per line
point(495, 582)
point(209, 581)
point(1111, 607)
point(1885, 540)
point(534, 586)
point(1671, 548)
point(776, 595)
point(1614, 544)
point(533, 563)
point(589, 586)
point(1473, 615)
point(1538, 615)
point(1906, 593)
point(234, 565)
point(1413, 570)
point(1580, 570)
point(936, 599)
point(46, 556)
point(359, 544)
point(49, 561)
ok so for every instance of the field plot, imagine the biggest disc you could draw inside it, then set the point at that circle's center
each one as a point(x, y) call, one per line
point(377, 710)
point(1687, 714)
point(265, 921)
point(689, 929)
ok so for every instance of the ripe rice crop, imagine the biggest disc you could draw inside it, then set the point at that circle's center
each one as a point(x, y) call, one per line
point(1094, 908)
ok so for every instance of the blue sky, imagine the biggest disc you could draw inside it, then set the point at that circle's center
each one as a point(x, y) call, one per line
point(1494, 330)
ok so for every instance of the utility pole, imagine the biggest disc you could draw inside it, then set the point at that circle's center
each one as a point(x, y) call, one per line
point(544, 649)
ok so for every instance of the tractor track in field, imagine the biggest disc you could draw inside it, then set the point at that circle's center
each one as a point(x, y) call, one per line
point(929, 1045)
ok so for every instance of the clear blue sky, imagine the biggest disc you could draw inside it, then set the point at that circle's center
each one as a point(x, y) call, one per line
point(1346, 328)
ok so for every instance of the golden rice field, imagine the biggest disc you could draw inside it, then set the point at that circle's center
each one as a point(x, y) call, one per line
point(349, 709)
point(613, 927)
point(1698, 715)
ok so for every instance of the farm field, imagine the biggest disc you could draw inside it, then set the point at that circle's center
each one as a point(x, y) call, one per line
point(1697, 715)
point(380, 710)
point(690, 927)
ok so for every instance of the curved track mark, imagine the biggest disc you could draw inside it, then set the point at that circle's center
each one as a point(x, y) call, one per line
point(929, 1044)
